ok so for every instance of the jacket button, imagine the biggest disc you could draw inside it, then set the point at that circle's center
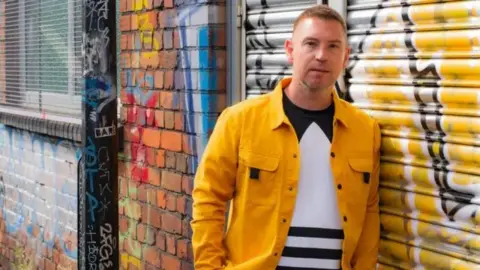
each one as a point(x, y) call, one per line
point(290, 188)
point(345, 218)
point(332, 154)
point(284, 220)
point(294, 155)
point(339, 186)
point(276, 254)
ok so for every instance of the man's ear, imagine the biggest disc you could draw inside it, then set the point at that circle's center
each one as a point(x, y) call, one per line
point(289, 50)
point(347, 56)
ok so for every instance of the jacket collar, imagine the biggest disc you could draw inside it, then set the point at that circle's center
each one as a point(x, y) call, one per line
point(277, 112)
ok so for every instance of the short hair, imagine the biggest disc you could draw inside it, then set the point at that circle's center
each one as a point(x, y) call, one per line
point(323, 12)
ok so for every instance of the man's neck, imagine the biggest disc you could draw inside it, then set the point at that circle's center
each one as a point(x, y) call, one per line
point(309, 99)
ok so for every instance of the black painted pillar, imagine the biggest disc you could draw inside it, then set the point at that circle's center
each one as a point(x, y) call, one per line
point(98, 183)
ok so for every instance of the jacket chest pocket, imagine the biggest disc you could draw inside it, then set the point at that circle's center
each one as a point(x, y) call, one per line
point(258, 177)
point(358, 179)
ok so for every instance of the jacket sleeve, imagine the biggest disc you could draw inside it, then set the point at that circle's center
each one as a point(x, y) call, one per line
point(214, 184)
point(366, 253)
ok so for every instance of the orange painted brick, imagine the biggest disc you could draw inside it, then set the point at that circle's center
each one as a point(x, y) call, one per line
point(158, 79)
point(171, 140)
point(179, 120)
point(123, 42)
point(130, 5)
point(151, 137)
point(147, 20)
point(154, 176)
point(181, 204)
point(159, 117)
point(151, 156)
point(160, 159)
point(171, 181)
point(168, 3)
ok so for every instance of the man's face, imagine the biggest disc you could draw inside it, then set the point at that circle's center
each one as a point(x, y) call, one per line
point(318, 52)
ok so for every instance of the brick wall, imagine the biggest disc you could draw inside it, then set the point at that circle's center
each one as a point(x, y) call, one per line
point(38, 201)
point(173, 86)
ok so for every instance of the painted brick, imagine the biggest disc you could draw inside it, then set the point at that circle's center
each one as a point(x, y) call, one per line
point(147, 20)
point(123, 6)
point(150, 115)
point(167, 59)
point(187, 184)
point(138, 5)
point(159, 77)
point(123, 45)
point(125, 22)
point(181, 204)
point(158, 40)
point(131, 41)
point(179, 80)
point(159, 118)
point(168, 39)
point(171, 140)
point(169, 77)
point(179, 121)
point(181, 162)
point(134, 22)
point(137, 41)
point(167, 18)
point(135, 60)
point(171, 181)
point(149, 60)
point(161, 199)
point(151, 137)
point(125, 60)
point(145, 235)
point(182, 248)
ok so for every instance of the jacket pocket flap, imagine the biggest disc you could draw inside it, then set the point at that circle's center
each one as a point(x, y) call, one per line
point(361, 164)
point(259, 161)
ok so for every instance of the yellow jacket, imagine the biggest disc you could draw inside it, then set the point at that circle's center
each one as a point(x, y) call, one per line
point(256, 133)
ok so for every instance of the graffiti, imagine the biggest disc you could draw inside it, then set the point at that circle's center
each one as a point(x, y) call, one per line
point(54, 160)
point(100, 169)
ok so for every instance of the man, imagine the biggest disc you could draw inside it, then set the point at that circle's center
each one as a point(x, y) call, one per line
point(299, 165)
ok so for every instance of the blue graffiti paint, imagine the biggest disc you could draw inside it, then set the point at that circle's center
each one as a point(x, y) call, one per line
point(91, 171)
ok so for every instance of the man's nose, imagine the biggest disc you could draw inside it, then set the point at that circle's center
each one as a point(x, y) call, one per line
point(321, 54)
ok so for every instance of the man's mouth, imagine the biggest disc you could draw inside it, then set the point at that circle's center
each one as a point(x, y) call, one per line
point(319, 70)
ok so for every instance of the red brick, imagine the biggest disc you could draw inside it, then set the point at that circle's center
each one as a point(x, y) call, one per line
point(168, 3)
point(145, 234)
point(149, 60)
point(158, 79)
point(160, 158)
point(140, 116)
point(151, 156)
point(186, 228)
point(179, 120)
point(154, 176)
point(159, 119)
point(148, 4)
point(151, 137)
point(169, 78)
point(125, 23)
point(187, 266)
point(187, 184)
point(182, 249)
point(134, 22)
point(152, 256)
point(169, 119)
point(167, 59)
point(125, 60)
point(176, 39)
point(123, 225)
point(150, 115)
point(130, 5)
point(166, 99)
point(171, 181)
point(170, 160)
point(170, 262)
point(142, 193)
point(181, 204)
point(151, 216)
point(161, 199)
point(171, 244)
point(171, 140)
point(171, 202)
point(131, 40)
point(171, 223)
point(123, 43)
point(135, 60)
point(181, 162)
point(158, 40)
point(132, 133)
point(123, 6)
point(161, 241)
point(133, 247)
point(49, 265)
point(133, 189)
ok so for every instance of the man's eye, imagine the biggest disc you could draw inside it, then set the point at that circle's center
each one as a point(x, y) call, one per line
point(333, 46)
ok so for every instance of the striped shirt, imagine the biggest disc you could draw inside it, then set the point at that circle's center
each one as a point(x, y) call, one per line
point(316, 236)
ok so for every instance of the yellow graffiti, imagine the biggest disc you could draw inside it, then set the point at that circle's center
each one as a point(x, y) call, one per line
point(140, 4)
point(147, 35)
point(126, 260)
point(422, 257)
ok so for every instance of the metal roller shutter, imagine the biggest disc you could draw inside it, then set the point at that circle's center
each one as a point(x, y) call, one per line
point(267, 24)
point(415, 67)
